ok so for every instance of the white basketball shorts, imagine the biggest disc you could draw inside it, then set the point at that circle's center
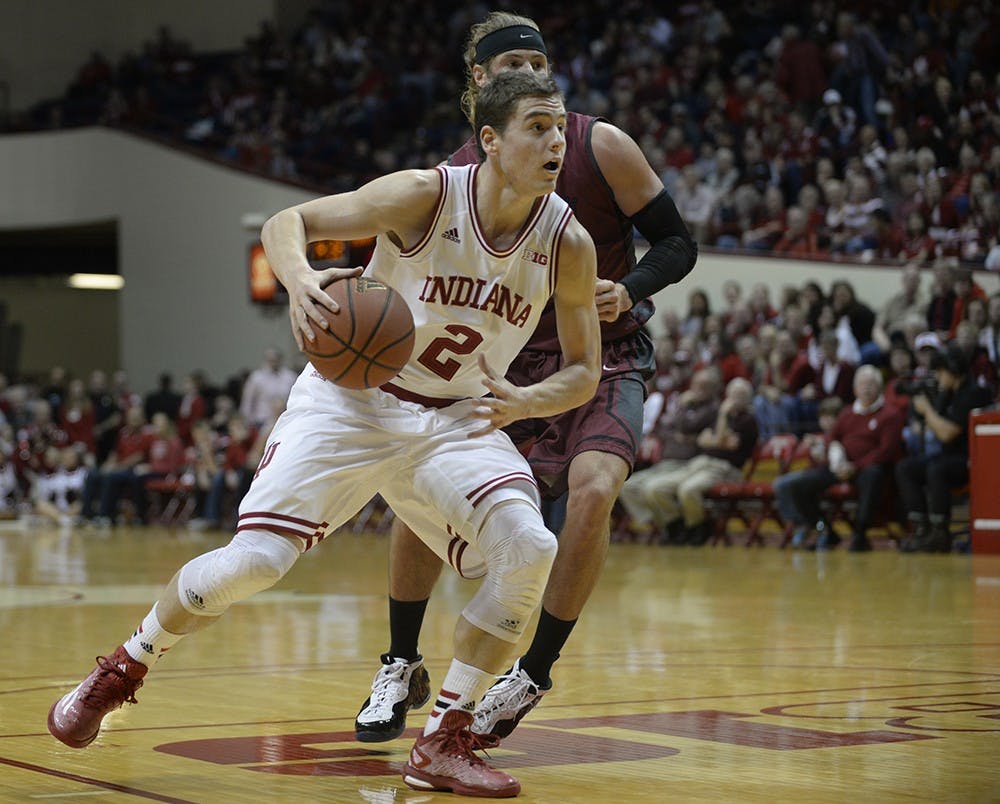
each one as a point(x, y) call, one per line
point(333, 449)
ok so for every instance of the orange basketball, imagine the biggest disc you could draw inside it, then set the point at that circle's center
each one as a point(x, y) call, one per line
point(369, 340)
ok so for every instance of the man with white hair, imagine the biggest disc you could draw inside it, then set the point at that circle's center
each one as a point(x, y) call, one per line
point(865, 441)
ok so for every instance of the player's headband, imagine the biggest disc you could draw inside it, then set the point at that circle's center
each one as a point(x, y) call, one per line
point(515, 37)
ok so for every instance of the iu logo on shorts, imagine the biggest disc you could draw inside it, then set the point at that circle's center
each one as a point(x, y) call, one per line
point(265, 459)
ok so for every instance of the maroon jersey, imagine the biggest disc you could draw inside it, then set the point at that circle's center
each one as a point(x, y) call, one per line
point(583, 186)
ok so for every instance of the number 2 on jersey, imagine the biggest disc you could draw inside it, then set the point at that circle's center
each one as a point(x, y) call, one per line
point(464, 342)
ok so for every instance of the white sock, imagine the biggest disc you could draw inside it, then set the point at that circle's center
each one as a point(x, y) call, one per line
point(150, 641)
point(462, 688)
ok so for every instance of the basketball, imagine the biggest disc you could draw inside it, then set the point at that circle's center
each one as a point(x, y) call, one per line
point(369, 341)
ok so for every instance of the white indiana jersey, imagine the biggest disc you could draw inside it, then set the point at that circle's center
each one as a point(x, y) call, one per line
point(466, 297)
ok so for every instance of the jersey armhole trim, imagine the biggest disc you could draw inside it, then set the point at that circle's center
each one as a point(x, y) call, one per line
point(556, 249)
point(442, 196)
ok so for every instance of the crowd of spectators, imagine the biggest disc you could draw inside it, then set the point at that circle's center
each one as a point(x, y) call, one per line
point(818, 129)
point(879, 399)
point(74, 452)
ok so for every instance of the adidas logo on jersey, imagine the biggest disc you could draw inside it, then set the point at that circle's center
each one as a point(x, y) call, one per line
point(452, 235)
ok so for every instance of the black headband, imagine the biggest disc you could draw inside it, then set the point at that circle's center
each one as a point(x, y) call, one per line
point(515, 37)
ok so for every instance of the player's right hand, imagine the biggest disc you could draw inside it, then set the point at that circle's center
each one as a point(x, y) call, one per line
point(307, 301)
point(507, 402)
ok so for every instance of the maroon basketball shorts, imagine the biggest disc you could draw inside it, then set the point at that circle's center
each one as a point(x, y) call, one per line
point(610, 422)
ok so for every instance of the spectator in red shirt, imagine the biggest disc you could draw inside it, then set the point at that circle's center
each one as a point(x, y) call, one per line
point(760, 308)
point(770, 222)
point(809, 202)
point(124, 395)
point(165, 451)
point(864, 443)
point(33, 440)
point(834, 376)
point(192, 408)
point(677, 153)
point(796, 323)
point(940, 213)
point(981, 368)
point(106, 483)
point(800, 71)
point(941, 309)
point(77, 419)
point(777, 401)
point(890, 241)
point(797, 148)
point(918, 247)
point(233, 476)
point(722, 354)
point(166, 461)
point(966, 289)
point(798, 240)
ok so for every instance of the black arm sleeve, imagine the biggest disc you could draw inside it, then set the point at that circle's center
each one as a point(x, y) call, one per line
point(672, 251)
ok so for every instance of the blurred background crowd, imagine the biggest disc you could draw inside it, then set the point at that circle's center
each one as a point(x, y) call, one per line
point(812, 129)
point(816, 130)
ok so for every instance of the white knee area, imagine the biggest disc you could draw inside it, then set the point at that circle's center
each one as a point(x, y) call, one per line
point(519, 551)
point(252, 562)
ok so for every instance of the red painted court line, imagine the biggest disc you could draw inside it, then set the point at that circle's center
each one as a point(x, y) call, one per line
point(540, 721)
point(782, 710)
point(73, 777)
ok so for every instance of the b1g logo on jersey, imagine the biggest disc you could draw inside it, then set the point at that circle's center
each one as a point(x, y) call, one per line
point(535, 256)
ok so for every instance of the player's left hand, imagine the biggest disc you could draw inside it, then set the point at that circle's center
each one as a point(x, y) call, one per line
point(509, 403)
point(612, 300)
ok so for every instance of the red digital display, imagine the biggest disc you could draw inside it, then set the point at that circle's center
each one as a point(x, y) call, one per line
point(264, 285)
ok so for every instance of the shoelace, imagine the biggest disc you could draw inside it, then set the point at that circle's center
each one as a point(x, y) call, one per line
point(380, 689)
point(526, 690)
point(462, 743)
point(105, 690)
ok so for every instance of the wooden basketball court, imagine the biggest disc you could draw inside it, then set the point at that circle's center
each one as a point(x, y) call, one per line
point(712, 674)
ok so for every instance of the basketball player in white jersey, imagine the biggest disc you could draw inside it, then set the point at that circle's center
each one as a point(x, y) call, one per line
point(477, 252)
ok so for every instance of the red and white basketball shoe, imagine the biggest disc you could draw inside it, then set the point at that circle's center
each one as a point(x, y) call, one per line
point(75, 719)
point(445, 760)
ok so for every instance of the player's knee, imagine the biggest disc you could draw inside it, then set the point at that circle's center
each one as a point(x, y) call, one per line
point(540, 544)
point(522, 569)
point(593, 498)
point(250, 563)
point(519, 551)
point(519, 560)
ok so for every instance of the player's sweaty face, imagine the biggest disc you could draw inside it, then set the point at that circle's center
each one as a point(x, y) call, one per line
point(534, 140)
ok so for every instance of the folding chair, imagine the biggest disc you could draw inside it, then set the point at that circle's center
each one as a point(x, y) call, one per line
point(751, 500)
